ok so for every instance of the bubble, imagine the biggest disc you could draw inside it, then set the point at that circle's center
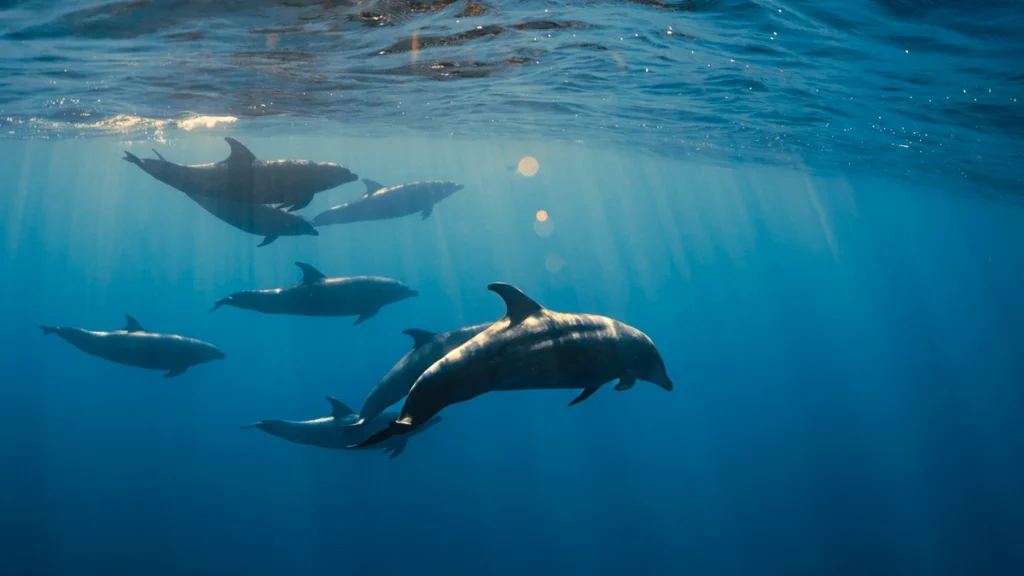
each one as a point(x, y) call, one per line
point(554, 263)
point(542, 215)
point(528, 166)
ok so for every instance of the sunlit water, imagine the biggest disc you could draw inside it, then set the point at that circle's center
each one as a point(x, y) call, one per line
point(810, 208)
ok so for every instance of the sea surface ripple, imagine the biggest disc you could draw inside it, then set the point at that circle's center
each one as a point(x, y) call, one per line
point(918, 89)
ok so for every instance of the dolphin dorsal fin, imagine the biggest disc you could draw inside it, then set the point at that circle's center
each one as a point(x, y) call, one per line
point(339, 409)
point(310, 275)
point(419, 337)
point(518, 306)
point(371, 186)
point(159, 155)
point(239, 153)
point(132, 325)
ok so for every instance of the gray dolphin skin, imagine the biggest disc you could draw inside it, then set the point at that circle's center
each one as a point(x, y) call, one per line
point(427, 348)
point(133, 346)
point(532, 348)
point(258, 219)
point(318, 295)
point(333, 432)
point(243, 178)
point(380, 203)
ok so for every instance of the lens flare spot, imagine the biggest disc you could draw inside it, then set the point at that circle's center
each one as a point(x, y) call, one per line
point(554, 263)
point(544, 228)
point(528, 166)
point(542, 215)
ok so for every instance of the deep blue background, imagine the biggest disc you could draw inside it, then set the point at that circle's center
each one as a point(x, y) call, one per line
point(847, 356)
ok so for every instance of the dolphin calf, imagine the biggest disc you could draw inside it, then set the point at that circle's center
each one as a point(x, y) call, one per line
point(133, 346)
point(258, 219)
point(318, 295)
point(243, 178)
point(532, 348)
point(380, 203)
point(427, 348)
point(332, 431)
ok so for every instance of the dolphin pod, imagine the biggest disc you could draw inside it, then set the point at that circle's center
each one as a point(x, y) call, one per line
point(133, 346)
point(318, 295)
point(334, 432)
point(531, 348)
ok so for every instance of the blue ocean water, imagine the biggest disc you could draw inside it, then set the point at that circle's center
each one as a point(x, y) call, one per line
point(828, 257)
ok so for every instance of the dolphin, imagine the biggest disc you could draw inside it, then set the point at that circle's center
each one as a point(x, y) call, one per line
point(532, 348)
point(133, 346)
point(318, 295)
point(258, 219)
point(243, 178)
point(380, 203)
point(427, 348)
point(333, 432)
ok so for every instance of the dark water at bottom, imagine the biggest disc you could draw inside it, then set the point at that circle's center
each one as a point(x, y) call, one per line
point(846, 356)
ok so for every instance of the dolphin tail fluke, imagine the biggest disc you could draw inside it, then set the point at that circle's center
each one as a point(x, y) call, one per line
point(250, 426)
point(267, 240)
point(129, 157)
point(47, 330)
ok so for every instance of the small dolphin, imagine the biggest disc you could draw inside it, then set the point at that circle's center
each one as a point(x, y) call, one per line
point(258, 219)
point(380, 203)
point(427, 348)
point(133, 346)
point(243, 178)
point(318, 295)
point(532, 348)
point(334, 431)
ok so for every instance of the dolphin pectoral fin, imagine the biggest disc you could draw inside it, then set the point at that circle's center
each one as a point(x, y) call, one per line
point(587, 393)
point(365, 316)
point(301, 203)
point(399, 447)
point(359, 422)
point(159, 155)
point(132, 325)
point(267, 240)
point(426, 213)
point(375, 439)
point(239, 153)
point(625, 383)
point(518, 306)
point(176, 372)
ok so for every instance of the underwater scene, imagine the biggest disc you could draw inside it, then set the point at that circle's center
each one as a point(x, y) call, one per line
point(485, 287)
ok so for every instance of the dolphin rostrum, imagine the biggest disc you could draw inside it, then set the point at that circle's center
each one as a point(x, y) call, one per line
point(532, 348)
point(258, 219)
point(333, 432)
point(243, 178)
point(380, 203)
point(318, 295)
point(133, 346)
point(427, 348)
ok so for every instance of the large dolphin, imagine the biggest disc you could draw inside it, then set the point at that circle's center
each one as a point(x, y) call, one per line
point(427, 348)
point(318, 295)
point(241, 177)
point(333, 432)
point(258, 219)
point(532, 348)
point(133, 346)
point(380, 203)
